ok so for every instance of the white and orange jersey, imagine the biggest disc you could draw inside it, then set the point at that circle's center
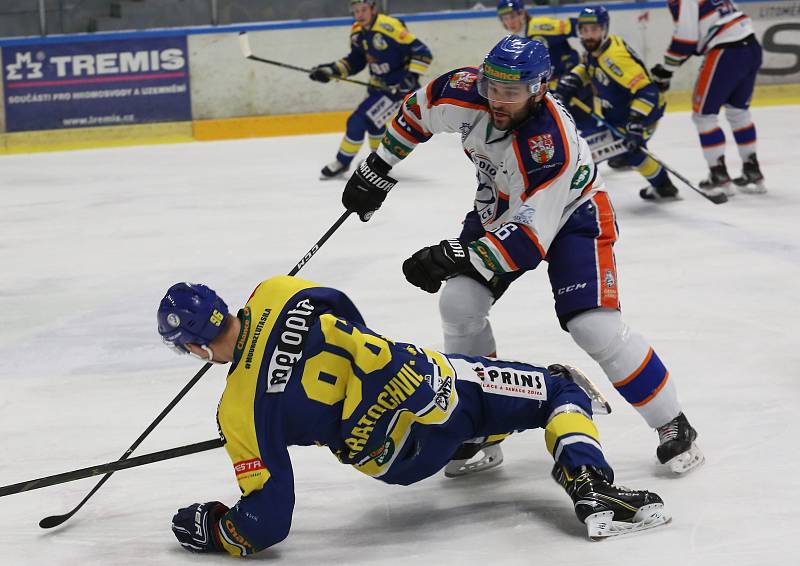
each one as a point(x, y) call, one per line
point(703, 24)
point(530, 179)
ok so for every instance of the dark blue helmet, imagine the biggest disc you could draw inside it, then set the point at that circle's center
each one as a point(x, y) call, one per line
point(515, 60)
point(594, 15)
point(190, 313)
point(508, 6)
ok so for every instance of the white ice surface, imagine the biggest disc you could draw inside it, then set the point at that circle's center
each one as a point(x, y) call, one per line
point(90, 240)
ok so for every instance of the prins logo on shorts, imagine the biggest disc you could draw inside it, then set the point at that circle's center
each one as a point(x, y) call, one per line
point(542, 148)
point(247, 466)
point(504, 380)
point(463, 80)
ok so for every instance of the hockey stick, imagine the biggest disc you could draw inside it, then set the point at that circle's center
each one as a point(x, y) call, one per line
point(716, 198)
point(244, 45)
point(55, 520)
point(111, 467)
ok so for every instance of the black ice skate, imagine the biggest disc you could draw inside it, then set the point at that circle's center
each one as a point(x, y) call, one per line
point(608, 510)
point(665, 191)
point(333, 170)
point(677, 448)
point(718, 180)
point(751, 181)
point(464, 461)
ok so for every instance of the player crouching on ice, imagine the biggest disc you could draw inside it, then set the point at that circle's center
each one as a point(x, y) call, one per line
point(306, 370)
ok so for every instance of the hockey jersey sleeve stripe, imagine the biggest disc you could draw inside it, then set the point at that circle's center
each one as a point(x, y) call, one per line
point(413, 123)
point(495, 243)
point(533, 238)
point(418, 67)
point(401, 126)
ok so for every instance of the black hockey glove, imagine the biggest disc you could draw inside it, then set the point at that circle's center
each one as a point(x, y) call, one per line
point(430, 266)
point(197, 526)
point(409, 84)
point(368, 186)
point(568, 86)
point(661, 77)
point(634, 133)
point(323, 73)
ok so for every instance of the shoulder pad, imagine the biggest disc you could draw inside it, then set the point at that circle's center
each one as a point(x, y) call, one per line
point(393, 28)
point(459, 87)
point(544, 25)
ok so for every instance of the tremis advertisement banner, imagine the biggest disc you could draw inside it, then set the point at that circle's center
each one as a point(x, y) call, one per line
point(106, 83)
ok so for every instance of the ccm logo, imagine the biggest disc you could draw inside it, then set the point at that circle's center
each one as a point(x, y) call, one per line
point(248, 466)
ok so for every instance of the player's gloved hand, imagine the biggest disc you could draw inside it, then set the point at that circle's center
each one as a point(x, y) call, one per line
point(634, 133)
point(368, 186)
point(322, 73)
point(568, 86)
point(661, 77)
point(409, 83)
point(197, 526)
point(430, 266)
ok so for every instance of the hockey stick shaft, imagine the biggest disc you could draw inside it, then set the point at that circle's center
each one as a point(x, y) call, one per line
point(110, 467)
point(244, 45)
point(55, 520)
point(580, 104)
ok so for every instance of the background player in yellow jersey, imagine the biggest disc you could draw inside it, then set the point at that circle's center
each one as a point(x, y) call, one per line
point(396, 59)
point(305, 370)
point(554, 34)
point(629, 99)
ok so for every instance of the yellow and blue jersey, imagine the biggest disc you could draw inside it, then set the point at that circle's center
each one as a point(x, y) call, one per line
point(307, 371)
point(555, 34)
point(621, 83)
point(389, 50)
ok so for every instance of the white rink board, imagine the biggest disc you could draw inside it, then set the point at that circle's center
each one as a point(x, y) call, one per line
point(90, 240)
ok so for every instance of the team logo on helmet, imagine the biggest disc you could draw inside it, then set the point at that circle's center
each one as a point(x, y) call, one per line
point(542, 148)
point(463, 80)
point(173, 320)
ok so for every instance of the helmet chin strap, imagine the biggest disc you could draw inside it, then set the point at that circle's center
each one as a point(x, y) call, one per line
point(207, 349)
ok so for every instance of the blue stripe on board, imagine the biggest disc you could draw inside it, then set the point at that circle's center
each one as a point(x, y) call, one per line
point(299, 24)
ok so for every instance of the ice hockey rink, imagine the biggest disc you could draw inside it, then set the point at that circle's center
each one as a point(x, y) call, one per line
point(90, 240)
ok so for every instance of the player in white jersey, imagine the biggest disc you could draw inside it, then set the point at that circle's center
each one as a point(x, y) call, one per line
point(539, 197)
point(721, 33)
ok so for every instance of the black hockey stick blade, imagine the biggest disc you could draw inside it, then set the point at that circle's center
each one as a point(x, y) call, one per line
point(110, 467)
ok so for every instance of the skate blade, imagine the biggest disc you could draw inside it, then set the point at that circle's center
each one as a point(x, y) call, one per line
point(600, 406)
point(492, 457)
point(752, 188)
point(683, 463)
point(601, 526)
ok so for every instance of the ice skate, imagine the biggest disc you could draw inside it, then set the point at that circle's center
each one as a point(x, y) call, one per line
point(666, 191)
point(333, 170)
point(718, 180)
point(751, 181)
point(677, 448)
point(600, 405)
point(473, 457)
point(608, 510)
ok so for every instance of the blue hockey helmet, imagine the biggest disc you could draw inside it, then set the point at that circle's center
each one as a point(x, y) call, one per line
point(514, 70)
point(190, 313)
point(509, 6)
point(594, 15)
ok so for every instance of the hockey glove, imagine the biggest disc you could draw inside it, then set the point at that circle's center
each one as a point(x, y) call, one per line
point(634, 133)
point(661, 77)
point(568, 86)
point(323, 73)
point(368, 186)
point(409, 84)
point(197, 527)
point(430, 266)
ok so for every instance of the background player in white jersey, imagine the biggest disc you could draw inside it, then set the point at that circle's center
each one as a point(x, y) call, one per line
point(396, 59)
point(724, 35)
point(539, 197)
